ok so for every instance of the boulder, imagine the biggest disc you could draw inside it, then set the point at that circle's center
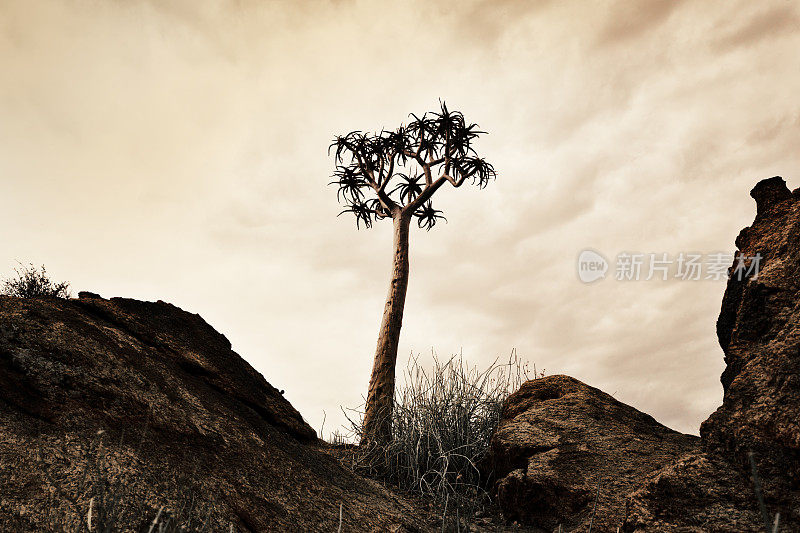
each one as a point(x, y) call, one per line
point(113, 409)
point(562, 445)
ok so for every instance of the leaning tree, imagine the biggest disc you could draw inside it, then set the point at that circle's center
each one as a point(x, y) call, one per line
point(394, 174)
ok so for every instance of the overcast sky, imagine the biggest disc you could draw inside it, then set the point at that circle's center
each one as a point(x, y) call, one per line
point(177, 150)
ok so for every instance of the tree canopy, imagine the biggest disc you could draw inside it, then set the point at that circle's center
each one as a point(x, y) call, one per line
point(394, 173)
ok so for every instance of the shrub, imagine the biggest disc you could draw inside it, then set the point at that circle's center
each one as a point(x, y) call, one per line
point(442, 422)
point(32, 282)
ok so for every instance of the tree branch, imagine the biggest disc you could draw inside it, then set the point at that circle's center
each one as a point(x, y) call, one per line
point(456, 182)
point(387, 202)
point(433, 187)
point(421, 137)
point(428, 176)
point(388, 174)
point(447, 151)
point(425, 196)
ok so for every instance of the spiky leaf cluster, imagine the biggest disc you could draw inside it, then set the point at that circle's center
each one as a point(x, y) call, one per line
point(385, 174)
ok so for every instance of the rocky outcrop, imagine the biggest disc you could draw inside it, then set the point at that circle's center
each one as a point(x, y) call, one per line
point(562, 445)
point(759, 331)
point(122, 407)
point(560, 439)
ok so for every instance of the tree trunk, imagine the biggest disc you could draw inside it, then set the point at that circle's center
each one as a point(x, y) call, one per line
point(380, 400)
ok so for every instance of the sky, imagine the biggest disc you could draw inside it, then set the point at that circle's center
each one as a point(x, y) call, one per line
point(177, 151)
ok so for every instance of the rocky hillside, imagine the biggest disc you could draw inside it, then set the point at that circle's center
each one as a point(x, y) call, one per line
point(126, 406)
point(113, 411)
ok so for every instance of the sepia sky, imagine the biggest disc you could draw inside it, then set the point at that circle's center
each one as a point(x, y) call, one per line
point(177, 150)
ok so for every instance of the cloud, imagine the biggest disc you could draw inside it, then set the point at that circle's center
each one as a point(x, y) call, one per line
point(770, 23)
point(626, 21)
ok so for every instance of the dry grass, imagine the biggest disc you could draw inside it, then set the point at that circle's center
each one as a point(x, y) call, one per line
point(443, 420)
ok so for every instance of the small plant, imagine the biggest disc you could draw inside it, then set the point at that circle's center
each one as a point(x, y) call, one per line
point(442, 424)
point(31, 282)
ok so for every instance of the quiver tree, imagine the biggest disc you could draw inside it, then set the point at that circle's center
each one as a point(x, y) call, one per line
point(394, 175)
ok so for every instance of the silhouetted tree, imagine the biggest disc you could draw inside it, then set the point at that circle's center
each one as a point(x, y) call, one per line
point(393, 175)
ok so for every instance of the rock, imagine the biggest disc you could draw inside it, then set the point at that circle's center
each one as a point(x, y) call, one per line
point(759, 331)
point(697, 493)
point(560, 440)
point(770, 193)
point(87, 294)
point(140, 405)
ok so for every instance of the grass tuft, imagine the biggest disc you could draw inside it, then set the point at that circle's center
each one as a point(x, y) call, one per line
point(442, 423)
